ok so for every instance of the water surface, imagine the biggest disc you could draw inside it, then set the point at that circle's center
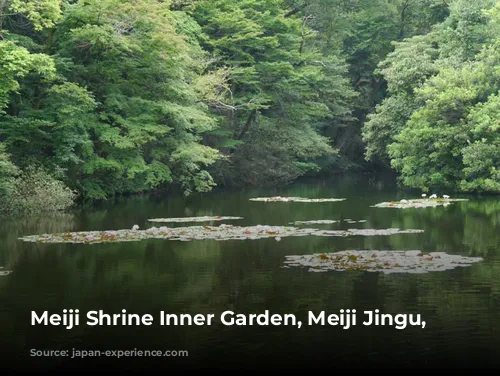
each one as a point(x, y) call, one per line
point(461, 307)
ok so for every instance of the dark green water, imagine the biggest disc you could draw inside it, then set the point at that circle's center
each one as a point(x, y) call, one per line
point(461, 307)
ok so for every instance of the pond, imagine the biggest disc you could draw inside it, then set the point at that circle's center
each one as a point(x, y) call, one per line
point(259, 266)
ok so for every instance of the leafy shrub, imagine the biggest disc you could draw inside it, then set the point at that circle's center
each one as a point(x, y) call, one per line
point(7, 172)
point(35, 191)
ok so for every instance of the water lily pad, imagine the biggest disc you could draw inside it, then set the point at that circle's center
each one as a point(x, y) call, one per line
point(295, 199)
point(325, 222)
point(222, 232)
point(418, 203)
point(386, 262)
point(315, 222)
point(194, 219)
point(366, 232)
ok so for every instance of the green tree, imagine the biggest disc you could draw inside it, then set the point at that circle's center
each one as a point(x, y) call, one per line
point(283, 91)
point(122, 113)
point(363, 32)
point(439, 134)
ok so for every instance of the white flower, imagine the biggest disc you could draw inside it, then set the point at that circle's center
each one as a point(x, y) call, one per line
point(446, 197)
point(135, 227)
point(404, 201)
point(424, 195)
point(433, 196)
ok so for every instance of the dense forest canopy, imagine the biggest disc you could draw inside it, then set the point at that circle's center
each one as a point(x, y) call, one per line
point(100, 98)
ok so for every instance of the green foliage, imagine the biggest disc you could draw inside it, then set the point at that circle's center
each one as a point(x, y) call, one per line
point(465, 31)
point(438, 126)
point(115, 96)
point(405, 69)
point(139, 69)
point(41, 13)
point(282, 92)
point(363, 32)
point(7, 172)
point(481, 157)
point(127, 108)
point(273, 157)
point(17, 62)
point(35, 191)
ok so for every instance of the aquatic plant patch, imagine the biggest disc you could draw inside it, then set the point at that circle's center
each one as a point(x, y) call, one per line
point(195, 219)
point(222, 232)
point(315, 222)
point(295, 199)
point(386, 262)
point(324, 222)
point(419, 203)
point(366, 232)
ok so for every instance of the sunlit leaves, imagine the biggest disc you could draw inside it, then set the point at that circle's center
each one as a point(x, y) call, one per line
point(481, 157)
point(41, 13)
point(17, 62)
point(126, 113)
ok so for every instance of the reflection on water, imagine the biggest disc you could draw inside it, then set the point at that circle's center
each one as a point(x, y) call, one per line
point(461, 306)
point(14, 227)
point(46, 223)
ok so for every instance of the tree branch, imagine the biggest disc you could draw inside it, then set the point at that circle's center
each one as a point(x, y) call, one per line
point(249, 122)
point(303, 32)
point(295, 11)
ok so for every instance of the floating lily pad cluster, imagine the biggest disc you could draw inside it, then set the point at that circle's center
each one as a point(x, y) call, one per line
point(366, 232)
point(295, 199)
point(418, 203)
point(222, 232)
point(195, 219)
point(325, 221)
point(380, 261)
point(315, 222)
point(4, 272)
